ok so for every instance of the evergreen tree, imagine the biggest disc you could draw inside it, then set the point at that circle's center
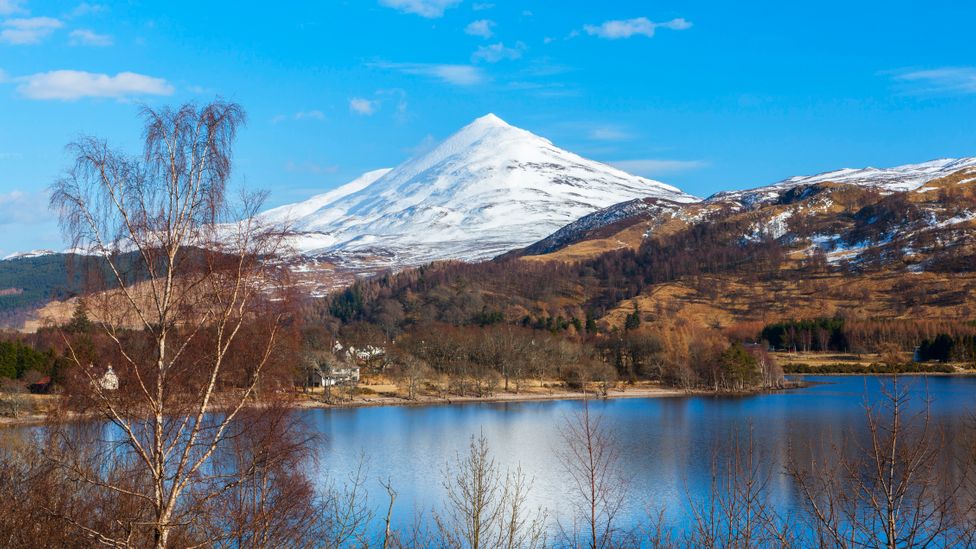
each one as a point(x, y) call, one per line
point(79, 323)
point(740, 366)
point(633, 319)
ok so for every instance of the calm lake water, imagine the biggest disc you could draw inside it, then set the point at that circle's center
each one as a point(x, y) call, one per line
point(666, 444)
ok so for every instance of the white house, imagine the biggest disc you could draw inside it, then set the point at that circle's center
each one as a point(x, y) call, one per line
point(339, 375)
point(109, 380)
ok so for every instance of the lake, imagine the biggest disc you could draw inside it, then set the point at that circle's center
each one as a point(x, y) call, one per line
point(666, 445)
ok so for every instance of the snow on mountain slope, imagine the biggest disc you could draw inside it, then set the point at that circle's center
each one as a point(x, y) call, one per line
point(289, 212)
point(900, 178)
point(487, 189)
point(30, 254)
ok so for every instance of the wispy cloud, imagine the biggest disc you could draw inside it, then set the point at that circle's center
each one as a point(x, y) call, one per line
point(498, 52)
point(68, 85)
point(640, 26)
point(941, 80)
point(651, 167)
point(425, 8)
point(28, 30)
point(459, 75)
point(481, 6)
point(86, 8)
point(609, 133)
point(23, 208)
point(86, 37)
point(363, 106)
point(300, 115)
point(543, 89)
point(481, 27)
point(12, 7)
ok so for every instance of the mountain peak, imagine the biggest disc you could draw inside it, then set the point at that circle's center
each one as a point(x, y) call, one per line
point(490, 120)
point(487, 189)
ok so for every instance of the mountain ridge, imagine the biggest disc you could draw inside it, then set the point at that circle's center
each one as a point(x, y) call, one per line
point(642, 221)
point(487, 189)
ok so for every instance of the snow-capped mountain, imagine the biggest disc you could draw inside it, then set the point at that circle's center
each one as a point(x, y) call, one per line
point(768, 207)
point(487, 189)
point(29, 255)
point(899, 178)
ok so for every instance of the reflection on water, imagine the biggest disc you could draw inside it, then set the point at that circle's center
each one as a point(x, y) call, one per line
point(666, 444)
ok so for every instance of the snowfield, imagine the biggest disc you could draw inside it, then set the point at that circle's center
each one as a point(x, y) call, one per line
point(487, 189)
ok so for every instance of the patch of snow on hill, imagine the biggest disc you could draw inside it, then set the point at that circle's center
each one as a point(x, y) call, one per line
point(900, 178)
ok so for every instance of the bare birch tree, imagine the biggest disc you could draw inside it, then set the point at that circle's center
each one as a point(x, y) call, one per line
point(736, 511)
point(892, 491)
point(591, 460)
point(486, 508)
point(189, 310)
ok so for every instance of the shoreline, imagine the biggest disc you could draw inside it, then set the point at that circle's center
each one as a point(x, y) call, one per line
point(655, 391)
point(429, 400)
point(305, 402)
point(645, 390)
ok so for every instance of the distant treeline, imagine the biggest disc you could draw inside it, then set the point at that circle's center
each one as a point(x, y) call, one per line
point(29, 357)
point(16, 359)
point(875, 368)
point(935, 340)
point(948, 347)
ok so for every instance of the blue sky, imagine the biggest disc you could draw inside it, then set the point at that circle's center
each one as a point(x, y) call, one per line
point(706, 95)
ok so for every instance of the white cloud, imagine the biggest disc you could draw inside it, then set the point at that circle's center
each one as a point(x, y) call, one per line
point(481, 6)
point(625, 28)
point(28, 30)
point(459, 75)
point(424, 8)
point(498, 52)
point(23, 208)
point(68, 85)
point(300, 115)
point(609, 134)
point(363, 106)
point(197, 89)
point(309, 115)
point(12, 7)
point(657, 166)
point(85, 37)
point(950, 80)
point(85, 8)
point(481, 27)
